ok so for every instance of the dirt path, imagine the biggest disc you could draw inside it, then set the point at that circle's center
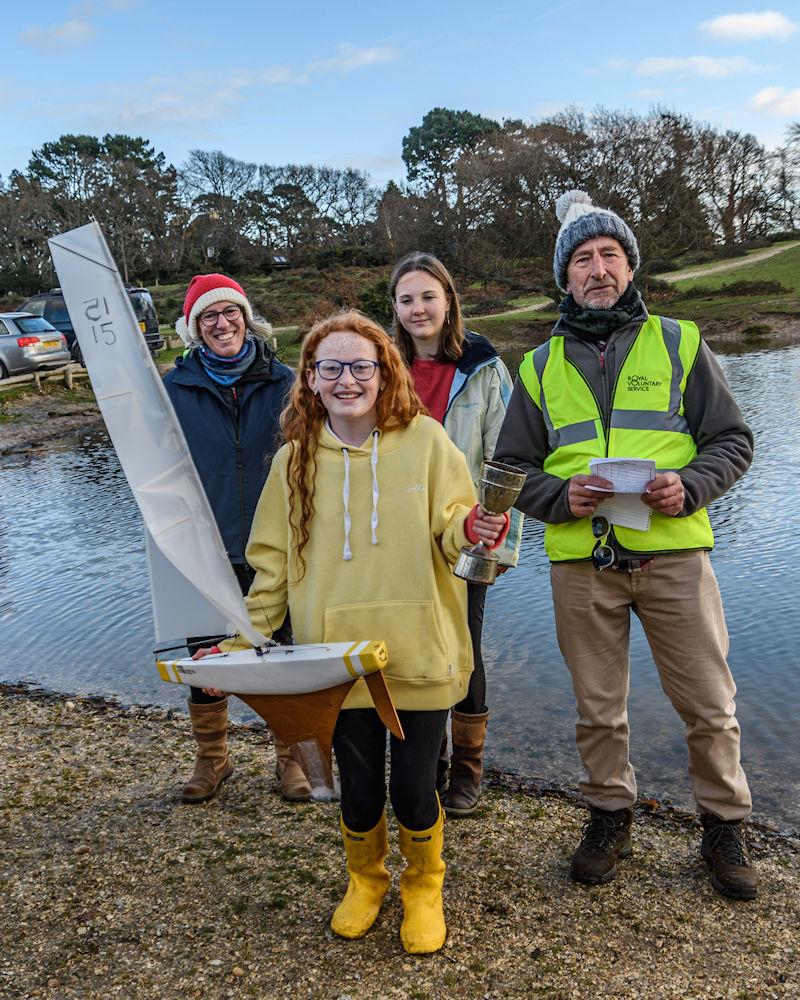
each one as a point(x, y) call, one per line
point(728, 265)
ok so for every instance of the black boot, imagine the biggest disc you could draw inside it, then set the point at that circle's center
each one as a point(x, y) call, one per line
point(606, 837)
point(724, 849)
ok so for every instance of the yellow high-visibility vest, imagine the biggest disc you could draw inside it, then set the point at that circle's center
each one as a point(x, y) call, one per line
point(647, 421)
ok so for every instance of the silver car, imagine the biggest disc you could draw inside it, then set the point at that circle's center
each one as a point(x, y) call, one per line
point(29, 343)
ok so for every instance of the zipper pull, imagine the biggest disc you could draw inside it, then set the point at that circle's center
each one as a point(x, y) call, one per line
point(602, 346)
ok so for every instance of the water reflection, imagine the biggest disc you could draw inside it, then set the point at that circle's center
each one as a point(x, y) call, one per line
point(75, 613)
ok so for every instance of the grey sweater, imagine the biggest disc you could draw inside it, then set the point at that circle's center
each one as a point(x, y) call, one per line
point(724, 441)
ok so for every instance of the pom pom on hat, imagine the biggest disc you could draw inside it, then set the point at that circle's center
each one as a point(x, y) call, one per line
point(581, 221)
point(572, 198)
point(203, 291)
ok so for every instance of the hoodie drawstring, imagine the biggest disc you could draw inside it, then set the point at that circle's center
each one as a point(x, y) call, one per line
point(375, 491)
point(347, 552)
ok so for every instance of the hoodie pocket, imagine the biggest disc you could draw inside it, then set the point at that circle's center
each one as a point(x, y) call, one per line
point(410, 629)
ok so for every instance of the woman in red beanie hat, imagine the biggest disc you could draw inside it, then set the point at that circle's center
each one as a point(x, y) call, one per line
point(228, 391)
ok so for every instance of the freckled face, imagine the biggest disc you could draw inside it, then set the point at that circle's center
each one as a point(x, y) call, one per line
point(598, 273)
point(349, 401)
point(421, 303)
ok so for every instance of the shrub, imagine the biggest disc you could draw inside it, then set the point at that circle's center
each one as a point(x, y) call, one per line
point(736, 288)
point(658, 266)
point(375, 302)
point(755, 331)
point(321, 310)
point(488, 304)
point(347, 256)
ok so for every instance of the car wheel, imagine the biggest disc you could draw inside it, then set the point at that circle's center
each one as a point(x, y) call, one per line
point(75, 353)
point(3, 371)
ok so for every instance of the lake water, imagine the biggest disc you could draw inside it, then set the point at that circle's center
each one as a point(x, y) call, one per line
point(75, 611)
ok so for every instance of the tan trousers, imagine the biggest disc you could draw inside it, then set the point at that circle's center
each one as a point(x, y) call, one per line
point(677, 600)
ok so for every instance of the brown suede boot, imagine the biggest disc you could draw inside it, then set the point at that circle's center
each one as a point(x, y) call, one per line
point(212, 764)
point(295, 786)
point(466, 764)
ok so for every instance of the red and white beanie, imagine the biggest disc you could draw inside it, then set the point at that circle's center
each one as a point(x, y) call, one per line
point(203, 291)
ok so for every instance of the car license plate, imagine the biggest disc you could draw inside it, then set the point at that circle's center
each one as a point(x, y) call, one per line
point(48, 345)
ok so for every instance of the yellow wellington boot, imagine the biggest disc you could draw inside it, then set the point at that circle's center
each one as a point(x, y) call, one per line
point(423, 929)
point(369, 880)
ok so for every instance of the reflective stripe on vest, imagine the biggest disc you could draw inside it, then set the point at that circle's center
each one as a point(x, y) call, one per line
point(647, 421)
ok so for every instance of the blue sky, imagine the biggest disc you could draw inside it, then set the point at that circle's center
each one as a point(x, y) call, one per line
point(341, 83)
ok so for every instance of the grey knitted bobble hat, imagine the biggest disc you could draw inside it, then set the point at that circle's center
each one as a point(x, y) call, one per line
point(581, 221)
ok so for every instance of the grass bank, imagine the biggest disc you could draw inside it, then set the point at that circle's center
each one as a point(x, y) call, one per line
point(292, 299)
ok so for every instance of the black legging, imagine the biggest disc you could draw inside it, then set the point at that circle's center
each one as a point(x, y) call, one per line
point(244, 576)
point(475, 701)
point(360, 744)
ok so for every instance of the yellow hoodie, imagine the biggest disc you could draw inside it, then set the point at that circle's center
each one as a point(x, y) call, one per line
point(384, 575)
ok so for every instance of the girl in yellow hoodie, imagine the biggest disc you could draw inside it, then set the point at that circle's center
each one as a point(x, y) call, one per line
point(362, 516)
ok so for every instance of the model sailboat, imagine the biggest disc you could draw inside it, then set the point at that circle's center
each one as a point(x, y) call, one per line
point(298, 690)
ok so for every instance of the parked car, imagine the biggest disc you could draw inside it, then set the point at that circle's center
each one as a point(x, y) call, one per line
point(51, 306)
point(29, 343)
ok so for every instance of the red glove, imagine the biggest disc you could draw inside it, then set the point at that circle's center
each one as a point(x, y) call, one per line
point(210, 649)
point(469, 532)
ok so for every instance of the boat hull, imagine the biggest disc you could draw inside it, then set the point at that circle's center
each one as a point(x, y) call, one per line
point(279, 670)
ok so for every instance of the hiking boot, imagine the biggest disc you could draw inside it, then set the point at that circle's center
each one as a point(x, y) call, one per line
point(606, 837)
point(724, 849)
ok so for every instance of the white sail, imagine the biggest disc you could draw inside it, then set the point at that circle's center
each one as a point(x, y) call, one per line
point(179, 609)
point(148, 438)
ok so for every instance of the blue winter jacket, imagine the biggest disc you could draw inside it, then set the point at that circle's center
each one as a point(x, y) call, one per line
point(232, 433)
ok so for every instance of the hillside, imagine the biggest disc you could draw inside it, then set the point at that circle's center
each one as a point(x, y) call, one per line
point(753, 299)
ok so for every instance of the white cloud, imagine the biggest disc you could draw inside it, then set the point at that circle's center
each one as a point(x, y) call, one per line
point(348, 58)
point(750, 27)
point(696, 66)
point(776, 101)
point(72, 32)
point(182, 104)
point(192, 102)
point(650, 94)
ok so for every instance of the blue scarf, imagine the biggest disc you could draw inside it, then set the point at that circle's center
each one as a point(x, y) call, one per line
point(226, 371)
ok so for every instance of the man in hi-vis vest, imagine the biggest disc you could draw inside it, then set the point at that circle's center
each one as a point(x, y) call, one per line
point(615, 381)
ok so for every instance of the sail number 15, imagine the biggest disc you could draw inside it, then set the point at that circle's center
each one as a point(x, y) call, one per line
point(102, 328)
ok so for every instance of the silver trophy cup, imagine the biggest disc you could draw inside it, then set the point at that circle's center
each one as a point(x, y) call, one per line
point(498, 488)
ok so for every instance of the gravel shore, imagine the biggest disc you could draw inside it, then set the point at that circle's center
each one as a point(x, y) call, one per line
point(111, 888)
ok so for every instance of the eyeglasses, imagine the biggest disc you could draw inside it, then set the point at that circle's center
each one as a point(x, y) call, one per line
point(362, 370)
point(603, 556)
point(209, 319)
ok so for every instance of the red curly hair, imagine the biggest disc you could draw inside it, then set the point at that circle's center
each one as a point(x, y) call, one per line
point(302, 419)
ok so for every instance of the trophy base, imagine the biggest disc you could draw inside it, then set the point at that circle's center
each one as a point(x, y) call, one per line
point(476, 566)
